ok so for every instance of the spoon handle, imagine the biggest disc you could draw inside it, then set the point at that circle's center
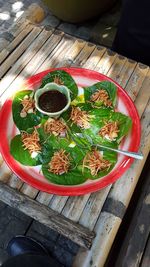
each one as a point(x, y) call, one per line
point(127, 153)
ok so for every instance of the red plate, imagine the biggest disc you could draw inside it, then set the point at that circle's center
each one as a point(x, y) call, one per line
point(32, 176)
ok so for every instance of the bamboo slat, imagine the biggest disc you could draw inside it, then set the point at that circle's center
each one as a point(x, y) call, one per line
point(136, 80)
point(15, 182)
point(107, 227)
point(29, 190)
point(7, 50)
point(95, 57)
point(93, 208)
point(43, 53)
point(143, 96)
point(31, 50)
point(84, 55)
point(106, 62)
point(18, 51)
point(5, 172)
point(74, 207)
point(73, 52)
point(18, 26)
point(58, 53)
point(44, 198)
point(58, 202)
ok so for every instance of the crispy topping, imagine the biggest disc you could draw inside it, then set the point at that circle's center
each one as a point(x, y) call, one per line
point(80, 117)
point(58, 80)
point(31, 141)
point(55, 126)
point(60, 162)
point(28, 106)
point(110, 130)
point(101, 96)
point(94, 161)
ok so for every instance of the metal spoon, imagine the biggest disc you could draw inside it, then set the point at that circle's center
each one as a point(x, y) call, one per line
point(89, 139)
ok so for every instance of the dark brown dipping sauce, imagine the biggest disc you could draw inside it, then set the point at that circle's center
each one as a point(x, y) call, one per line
point(52, 101)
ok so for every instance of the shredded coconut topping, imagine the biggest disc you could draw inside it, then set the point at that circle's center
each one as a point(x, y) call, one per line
point(94, 161)
point(31, 141)
point(60, 162)
point(80, 117)
point(101, 96)
point(28, 106)
point(110, 130)
point(55, 126)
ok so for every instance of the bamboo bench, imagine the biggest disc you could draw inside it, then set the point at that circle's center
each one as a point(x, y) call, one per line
point(92, 220)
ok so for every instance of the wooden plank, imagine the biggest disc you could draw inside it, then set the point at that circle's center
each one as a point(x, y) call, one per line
point(43, 53)
point(84, 55)
point(7, 50)
point(44, 198)
point(71, 54)
point(58, 202)
point(58, 53)
point(146, 257)
point(124, 74)
point(19, 50)
point(12, 74)
point(29, 190)
point(66, 57)
point(5, 172)
point(15, 182)
point(136, 80)
point(106, 62)
point(144, 94)
point(106, 229)
point(136, 237)
point(74, 207)
point(13, 32)
point(93, 208)
point(117, 67)
point(95, 57)
point(19, 25)
point(46, 216)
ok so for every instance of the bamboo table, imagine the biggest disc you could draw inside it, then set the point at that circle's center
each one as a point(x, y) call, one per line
point(92, 220)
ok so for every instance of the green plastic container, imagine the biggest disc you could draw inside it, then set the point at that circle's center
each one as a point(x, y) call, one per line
point(78, 10)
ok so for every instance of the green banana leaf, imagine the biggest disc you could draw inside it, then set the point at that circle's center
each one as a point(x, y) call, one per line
point(105, 85)
point(31, 119)
point(74, 176)
point(24, 157)
point(65, 77)
point(108, 155)
point(21, 155)
point(97, 121)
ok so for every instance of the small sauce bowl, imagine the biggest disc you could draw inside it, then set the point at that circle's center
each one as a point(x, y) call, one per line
point(52, 87)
